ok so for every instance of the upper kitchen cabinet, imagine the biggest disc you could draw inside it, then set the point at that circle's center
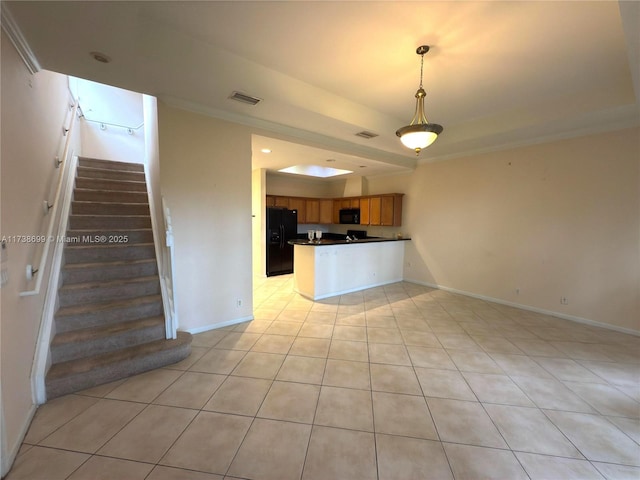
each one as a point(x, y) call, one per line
point(276, 201)
point(365, 211)
point(313, 210)
point(299, 204)
point(384, 210)
point(326, 211)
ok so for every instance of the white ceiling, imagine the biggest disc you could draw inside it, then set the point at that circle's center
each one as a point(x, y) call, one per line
point(499, 73)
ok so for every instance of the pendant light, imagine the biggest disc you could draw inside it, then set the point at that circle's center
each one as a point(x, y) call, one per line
point(419, 133)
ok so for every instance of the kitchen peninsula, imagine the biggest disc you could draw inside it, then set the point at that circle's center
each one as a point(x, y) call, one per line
point(334, 267)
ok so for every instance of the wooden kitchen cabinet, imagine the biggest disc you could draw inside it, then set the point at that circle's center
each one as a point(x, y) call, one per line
point(336, 210)
point(277, 201)
point(326, 211)
point(313, 211)
point(352, 202)
point(387, 211)
point(299, 204)
point(364, 204)
point(375, 210)
point(391, 210)
point(384, 210)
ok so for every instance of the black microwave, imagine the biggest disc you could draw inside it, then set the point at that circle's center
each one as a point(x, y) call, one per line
point(350, 216)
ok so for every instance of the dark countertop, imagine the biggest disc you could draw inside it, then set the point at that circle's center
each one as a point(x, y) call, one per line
point(325, 242)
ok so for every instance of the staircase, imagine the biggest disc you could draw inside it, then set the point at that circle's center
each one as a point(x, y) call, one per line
point(110, 321)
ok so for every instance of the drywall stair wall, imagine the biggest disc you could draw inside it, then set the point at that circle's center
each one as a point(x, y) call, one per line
point(110, 320)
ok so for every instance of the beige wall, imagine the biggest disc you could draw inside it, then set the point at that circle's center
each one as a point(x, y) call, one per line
point(205, 169)
point(554, 220)
point(114, 143)
point(292, 186)
point(34, 108)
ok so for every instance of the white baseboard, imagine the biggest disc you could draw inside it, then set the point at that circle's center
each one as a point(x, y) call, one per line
point(351, 290)
point(564, 316)
point(213, 326)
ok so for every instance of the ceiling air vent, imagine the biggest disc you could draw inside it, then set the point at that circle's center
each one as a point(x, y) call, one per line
point(366, 135)
point(244, 98)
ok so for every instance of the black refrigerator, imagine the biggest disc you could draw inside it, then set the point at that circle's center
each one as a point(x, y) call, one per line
point(282, 226)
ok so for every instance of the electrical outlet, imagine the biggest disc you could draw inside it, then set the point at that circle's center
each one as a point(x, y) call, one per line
point(238, 302)
point(517, 291)
point(564, 301)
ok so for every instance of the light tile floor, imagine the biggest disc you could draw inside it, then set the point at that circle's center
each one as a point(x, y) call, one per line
point(397, 382)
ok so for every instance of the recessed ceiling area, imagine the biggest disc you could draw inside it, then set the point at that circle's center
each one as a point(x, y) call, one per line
point(317, 171)
point(284, 154)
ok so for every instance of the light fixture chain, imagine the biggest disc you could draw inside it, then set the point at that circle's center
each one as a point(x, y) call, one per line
point(421, 67)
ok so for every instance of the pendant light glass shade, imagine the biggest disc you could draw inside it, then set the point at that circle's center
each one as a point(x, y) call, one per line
point(419, 133)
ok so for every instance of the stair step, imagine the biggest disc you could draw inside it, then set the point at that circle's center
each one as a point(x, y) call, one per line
point(110, 164)
point(110, 174)
point(88, 237)
point(103, 292)
point(89, 222)
point(114, 185)
point(105, 338)
point(76, 375)
point(108, 252)
point(106, 271)
point(84, 195)
point(109, 208)
point(110, 321)
point(77, 317)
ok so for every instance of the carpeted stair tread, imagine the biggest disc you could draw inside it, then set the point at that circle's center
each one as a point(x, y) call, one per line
point(126, 355)
point(90, 195)
point(108, 245)
point(108, 184)
point(136, 236)
point(110, 215)
point(109, 222)
point(109, 173)
point(110, 164)
point(108, 208)
point(92, 202)
point(94, 333)
point(135, 184)
point(116, 263)
point(112, 283)
point(90, 231)
point(92, 307)
point(108, 270)
point(101, 251)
